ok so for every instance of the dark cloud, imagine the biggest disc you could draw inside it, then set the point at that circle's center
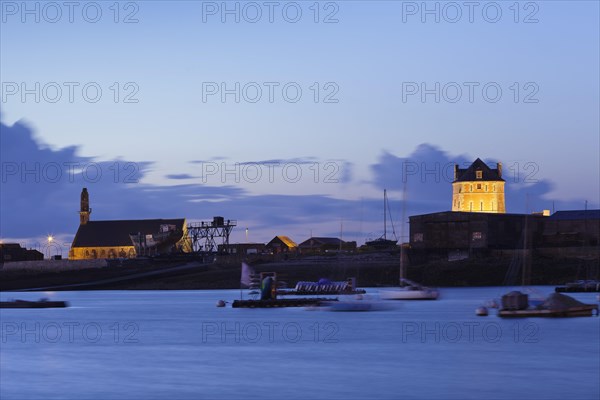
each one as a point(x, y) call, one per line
point(180, 176)
point(41, 188)
point(426, 176)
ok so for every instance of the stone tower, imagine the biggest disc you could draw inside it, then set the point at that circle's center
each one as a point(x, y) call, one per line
point(478, 189)
point(85, 211)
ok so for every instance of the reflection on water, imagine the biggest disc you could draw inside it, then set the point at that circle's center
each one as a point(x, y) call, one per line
point(177, 345)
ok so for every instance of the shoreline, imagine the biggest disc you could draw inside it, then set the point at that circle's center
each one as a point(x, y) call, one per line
point(370, 271)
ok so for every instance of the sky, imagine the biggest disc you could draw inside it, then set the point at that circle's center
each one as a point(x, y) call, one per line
point(291, 117)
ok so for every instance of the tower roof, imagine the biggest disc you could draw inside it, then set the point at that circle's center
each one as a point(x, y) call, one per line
point(470, 174)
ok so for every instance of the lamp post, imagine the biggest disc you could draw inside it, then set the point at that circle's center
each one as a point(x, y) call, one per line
point(50, 239)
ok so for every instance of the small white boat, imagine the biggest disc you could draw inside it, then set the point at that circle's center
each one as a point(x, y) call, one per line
point(409, 291)
point(355, 305)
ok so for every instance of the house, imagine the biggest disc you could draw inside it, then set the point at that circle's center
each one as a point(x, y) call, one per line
point(241, 249)
point(326, 245)
point(14, 252)
point(282, 244)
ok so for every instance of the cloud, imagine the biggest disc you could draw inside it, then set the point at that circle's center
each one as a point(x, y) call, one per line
point(180, 176)
point(41, 188)
point(426, 177)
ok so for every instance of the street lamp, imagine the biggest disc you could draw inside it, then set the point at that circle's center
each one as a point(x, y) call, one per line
point(50, 239)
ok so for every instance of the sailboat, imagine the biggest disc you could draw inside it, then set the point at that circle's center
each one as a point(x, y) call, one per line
point(383, 241)
point(408, 290)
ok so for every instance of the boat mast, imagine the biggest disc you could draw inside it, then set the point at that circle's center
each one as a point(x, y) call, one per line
point(526, 273)
point(402, 272)
point(384, 214)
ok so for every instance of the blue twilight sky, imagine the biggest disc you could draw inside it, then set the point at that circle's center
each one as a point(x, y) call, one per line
point(254, 111)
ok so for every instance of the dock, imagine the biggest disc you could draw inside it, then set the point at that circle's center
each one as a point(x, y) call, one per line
point(276, 303)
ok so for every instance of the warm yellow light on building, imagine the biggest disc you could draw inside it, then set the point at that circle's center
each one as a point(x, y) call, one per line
point(478, 189)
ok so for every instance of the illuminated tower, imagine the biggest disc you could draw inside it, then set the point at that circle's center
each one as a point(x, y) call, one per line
point(478, 189)
point(84, 213)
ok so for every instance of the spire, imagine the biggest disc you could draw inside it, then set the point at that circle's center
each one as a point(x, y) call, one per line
point(85, 210)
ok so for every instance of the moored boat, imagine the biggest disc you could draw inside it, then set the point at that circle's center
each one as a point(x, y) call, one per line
point(516, 304)
point(580, 287)
point(323, 287)
point(42, 303)
point(410, 290)
point(277, 303)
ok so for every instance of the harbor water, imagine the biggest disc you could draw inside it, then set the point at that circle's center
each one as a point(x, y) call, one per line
point(179, 345)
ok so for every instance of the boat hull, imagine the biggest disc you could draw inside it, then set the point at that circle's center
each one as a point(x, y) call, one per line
point(33, 304)
point(354, 306)
point(583, 311)
point(276, 303)
point(408, 294)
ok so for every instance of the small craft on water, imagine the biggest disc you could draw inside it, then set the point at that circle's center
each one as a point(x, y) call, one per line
point(323, 286)
point(383, 243)
point(359, 303)
point(516, 304)
point(579, 287)
point(268, 291)
point(407, 290)
point(481, 311)
point(41, 303)
point(410, 290)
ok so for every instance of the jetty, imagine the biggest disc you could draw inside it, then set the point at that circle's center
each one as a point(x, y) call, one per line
point(276, 303)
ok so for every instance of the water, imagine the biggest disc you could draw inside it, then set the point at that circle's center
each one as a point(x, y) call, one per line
point(178, 345)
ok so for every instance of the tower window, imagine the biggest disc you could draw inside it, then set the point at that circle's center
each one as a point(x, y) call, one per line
point(479, 186)
point(479, 174)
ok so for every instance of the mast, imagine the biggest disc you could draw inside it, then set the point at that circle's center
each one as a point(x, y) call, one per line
point(526, 273)
point(402, 272)
point(384, 214)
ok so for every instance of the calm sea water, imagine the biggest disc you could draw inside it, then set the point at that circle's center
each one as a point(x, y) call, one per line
point(178, 345)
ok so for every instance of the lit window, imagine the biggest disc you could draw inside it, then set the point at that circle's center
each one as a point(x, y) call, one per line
point(477, 235)
point(478, 174)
